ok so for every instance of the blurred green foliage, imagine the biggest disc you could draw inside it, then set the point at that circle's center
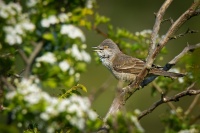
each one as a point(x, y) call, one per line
point(43, 46)
point(125, 123)
point(176, 121)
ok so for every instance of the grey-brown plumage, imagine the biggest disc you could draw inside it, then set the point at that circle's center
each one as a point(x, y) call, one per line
point(125, 67)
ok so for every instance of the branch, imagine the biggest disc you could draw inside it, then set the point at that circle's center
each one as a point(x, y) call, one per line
point(183, 34)
point(32, 57)
point(127, 91)
point(171, 105)
point(187, 49)
point(191, 12)
point(7, 54)
point(156, 27)
point(96, 92)
point(187, 92)
point(193, 104)
point(161, 92)
point(23, 55)
point(169, 65)
point(154, 52)
point(1, 95)
point(100, 32)
point(169, 19)
point(36, 51)
point(194, 120)
point(9, 85)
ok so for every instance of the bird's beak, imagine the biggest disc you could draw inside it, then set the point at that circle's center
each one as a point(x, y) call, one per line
point(96, 49)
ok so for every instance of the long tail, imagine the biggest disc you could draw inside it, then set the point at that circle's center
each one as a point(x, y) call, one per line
point(160, 72)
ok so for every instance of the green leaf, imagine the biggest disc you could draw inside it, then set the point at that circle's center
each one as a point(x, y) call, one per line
point(51, 82)
point(100, 19)
point(69, 81)
point(82, 87)
point(48, 36)
point(81, 66)
point(73, 90)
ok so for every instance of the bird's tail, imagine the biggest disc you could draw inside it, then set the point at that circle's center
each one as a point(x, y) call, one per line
point(160, 72)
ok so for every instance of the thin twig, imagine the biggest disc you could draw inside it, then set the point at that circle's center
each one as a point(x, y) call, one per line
point(157, 87)
point(23, 55)
point(153, 52)
point(194, 120)
point(175, 27)
point(8, 54)
point(120, 100)
point(36, 51)
point(100, 32)
point(171, 105)
point(170, 64)
point(96, 92)
point(183, 34)
point(1, 95)
point(169, 19)
point(119, 87)
point(193, 104)
point(183, 52)
point(156, 28)
point(9, 85)
point(19, 75)
point(175, 98)
point(32, 57)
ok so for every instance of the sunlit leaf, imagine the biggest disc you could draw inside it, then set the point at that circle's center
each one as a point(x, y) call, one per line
point(82, 87)
point(74, 90)
point(48, 36)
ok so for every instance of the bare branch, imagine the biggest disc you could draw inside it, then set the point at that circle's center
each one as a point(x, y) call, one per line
point(1, 95)
point(100, 32)
point(96, 92)
point(197, 12)
point(152, 55)
point(169, 19)
point(130, 91)
point(116, 104)
point(23, 55)
point(36, 51)
point(185, 51)
point(7, 54)
point(171, 63)
point(32, 57)
point(193, 104)
point(156, 27)
point(171, 105)
point(161, 92)
point(127, 91)
point(175, 98)
point(194, 120)
point(9, 85)
point(175, 26)
point(157, 87)
point(183, 34)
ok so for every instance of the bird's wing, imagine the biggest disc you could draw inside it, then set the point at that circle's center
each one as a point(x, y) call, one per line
point(127, 64)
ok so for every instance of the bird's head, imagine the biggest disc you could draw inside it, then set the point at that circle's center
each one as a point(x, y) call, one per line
point(107, 49)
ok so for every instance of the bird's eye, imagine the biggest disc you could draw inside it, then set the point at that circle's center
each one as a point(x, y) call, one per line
point(105, 47)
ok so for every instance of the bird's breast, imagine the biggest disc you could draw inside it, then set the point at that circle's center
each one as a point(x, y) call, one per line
point(127, 77)
point(106, 62)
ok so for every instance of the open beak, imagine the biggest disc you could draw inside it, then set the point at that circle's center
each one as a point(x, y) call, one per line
point(96, 49)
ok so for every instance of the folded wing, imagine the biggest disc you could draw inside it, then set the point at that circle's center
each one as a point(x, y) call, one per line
point(128, 64)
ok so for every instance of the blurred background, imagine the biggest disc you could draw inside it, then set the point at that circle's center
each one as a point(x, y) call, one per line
point(136, 16)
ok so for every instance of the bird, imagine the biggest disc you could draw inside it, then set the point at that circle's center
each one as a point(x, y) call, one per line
point(125, 67)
